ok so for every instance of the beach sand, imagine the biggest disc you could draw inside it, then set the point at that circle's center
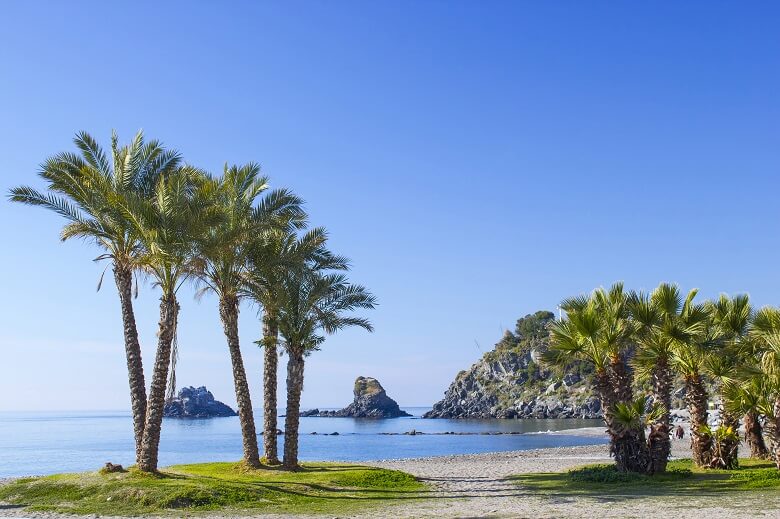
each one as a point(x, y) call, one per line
point(467, 486)
point(476, 486)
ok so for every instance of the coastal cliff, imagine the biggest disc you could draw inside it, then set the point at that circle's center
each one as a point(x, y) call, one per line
point(508, 381)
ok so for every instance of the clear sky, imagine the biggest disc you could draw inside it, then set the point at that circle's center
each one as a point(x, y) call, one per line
point(477, 160)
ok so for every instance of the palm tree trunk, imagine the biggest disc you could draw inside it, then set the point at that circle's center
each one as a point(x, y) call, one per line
point(135, 368)
point(228, 312)
point(621, 379)
point(628, 447)
point(658, 441)
point(150, 444)
point(270, 374)
point(772, 428)
point(696, 401)
point(292, 418)
point(606, 391)
point(754, 437)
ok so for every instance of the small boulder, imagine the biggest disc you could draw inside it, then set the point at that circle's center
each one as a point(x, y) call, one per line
point(110, 468)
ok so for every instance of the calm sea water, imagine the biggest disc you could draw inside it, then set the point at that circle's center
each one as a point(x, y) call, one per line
point(45, 443)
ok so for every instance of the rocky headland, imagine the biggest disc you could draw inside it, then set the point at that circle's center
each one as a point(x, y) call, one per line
point(509, 382)
point(371, 401)
point(198, 402)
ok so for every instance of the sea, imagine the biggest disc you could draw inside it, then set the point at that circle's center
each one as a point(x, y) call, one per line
point(38, 443)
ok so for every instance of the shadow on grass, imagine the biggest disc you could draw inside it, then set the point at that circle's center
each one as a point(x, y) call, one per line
point(603, 483)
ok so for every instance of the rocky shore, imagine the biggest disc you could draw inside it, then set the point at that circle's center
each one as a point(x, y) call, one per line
point(193, 402)
point(510, 382)
point(370, 401)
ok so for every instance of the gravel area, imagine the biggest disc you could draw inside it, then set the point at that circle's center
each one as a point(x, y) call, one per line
point(470, 486)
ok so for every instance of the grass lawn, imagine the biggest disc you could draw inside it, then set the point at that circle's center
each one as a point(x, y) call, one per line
point(317, 488)
point(682, 479)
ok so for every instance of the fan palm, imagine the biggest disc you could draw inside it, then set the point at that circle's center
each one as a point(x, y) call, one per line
point(630, 420)
point(85, 189)
point(312, 304)
point(619, 332)
point(167, 224)
point(596, 330)
point(688, 359)
point(661, 322)
point(747, 395)
point(271, 256)
point(223, 256)
point(731, 317)
point(766, 332)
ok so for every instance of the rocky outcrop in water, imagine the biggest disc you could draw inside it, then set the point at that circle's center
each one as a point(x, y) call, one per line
point(371, 401)
point(508, 382)
point(196, 403)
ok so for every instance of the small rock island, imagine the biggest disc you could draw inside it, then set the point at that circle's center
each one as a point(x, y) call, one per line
point(371, 401)
point(196, 403)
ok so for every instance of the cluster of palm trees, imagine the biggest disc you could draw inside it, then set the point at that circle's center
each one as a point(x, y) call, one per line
point(155, 216)
point(639, 344)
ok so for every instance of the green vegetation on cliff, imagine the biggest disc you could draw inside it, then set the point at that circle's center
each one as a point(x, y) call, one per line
point(509, 382)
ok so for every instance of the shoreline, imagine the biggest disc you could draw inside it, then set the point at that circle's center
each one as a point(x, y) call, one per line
point(581, 432)
point(477, 485)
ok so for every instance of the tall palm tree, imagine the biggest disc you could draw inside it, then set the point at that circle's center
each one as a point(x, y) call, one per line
point(85, 189)
point(167, 224)
point(272, 256)
point(596, 330)
point(223, 255)
point(312, 304)
point(661, 322)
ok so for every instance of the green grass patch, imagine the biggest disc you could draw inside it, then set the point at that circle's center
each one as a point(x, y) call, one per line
point(681, 478)
point(317, 488)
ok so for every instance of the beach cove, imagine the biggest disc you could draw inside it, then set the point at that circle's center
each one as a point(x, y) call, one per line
point(47, 443)
point(484, 485)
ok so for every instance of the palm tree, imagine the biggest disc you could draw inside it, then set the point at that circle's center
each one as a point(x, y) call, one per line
point(596, 330)
point(630, 421)
point(271, 256)
point(746, 395)
point(167, 224)
point(223, 256)
point(312, 304)
point(688, 358)
point(85, 189)
point(766, 332)
point(661, 322)
point(618, 332)
point(732, 318)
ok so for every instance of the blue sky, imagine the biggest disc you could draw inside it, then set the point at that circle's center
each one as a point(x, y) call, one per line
point(477, 160)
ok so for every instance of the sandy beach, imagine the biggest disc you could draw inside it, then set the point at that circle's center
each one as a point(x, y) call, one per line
point(477, 485)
